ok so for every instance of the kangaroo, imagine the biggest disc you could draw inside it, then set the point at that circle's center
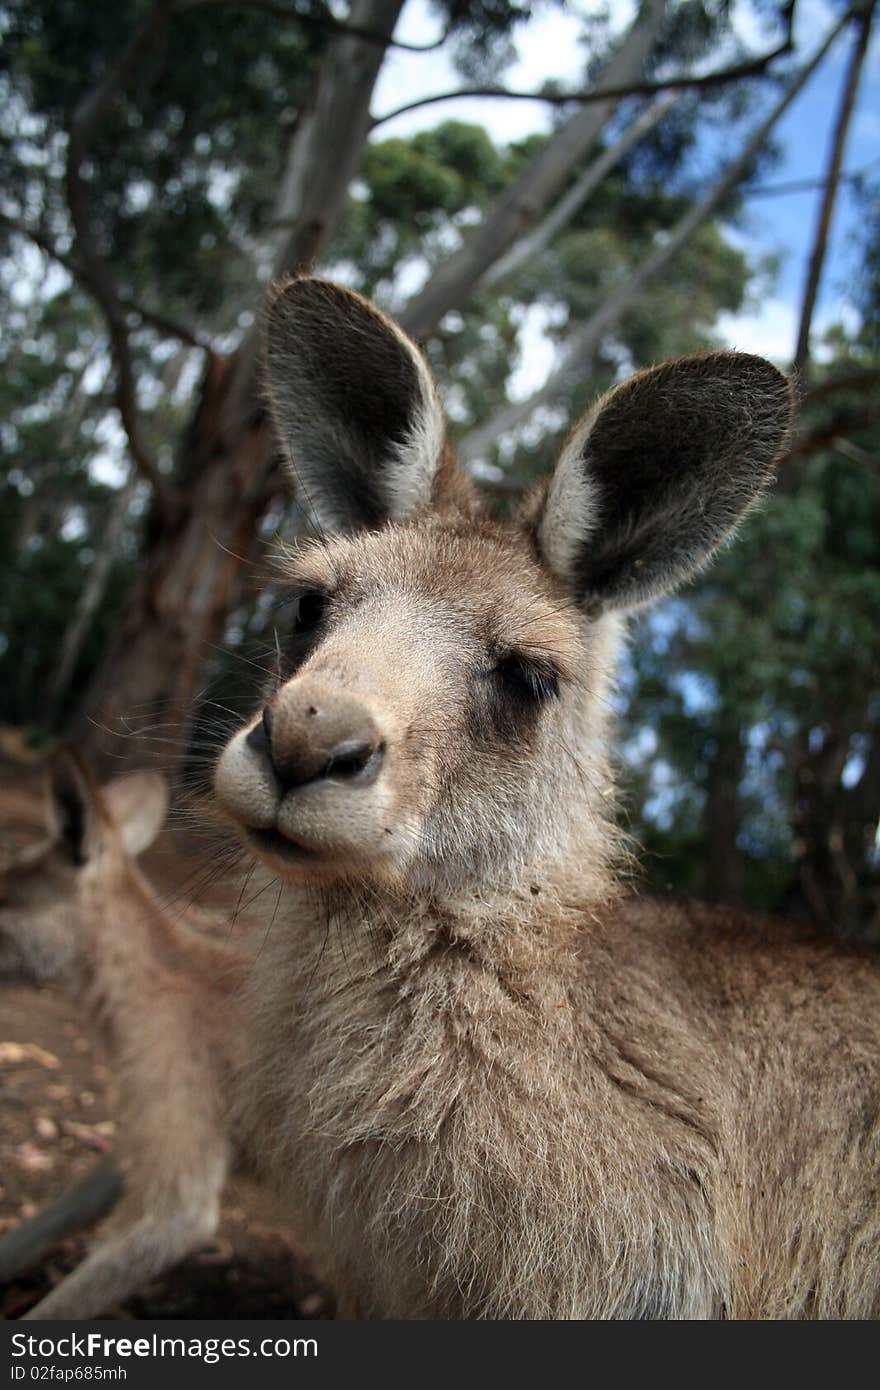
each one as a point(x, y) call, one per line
point(77, 910)
point(488, 1081)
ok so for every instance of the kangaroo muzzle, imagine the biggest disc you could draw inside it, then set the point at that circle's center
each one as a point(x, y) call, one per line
point(310, 777)
point(307, 734)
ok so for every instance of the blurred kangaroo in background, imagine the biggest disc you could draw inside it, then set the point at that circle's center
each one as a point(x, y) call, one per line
point(163, 996)
point(490, 1084)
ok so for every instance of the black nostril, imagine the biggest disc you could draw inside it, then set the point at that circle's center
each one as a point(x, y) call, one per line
point(355, 758)
point(298, 751)
point(260, 736)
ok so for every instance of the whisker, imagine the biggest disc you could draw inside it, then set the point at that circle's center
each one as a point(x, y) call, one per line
point(271, 921)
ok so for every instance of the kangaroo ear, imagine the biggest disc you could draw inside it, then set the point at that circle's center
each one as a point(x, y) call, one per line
point(354, 405)
point(72, 809)
point(138, 805)
point(653, 479)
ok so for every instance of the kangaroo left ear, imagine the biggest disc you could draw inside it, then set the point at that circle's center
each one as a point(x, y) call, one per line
point(80, 813)
point(72, 809)
point(355, 407)
point(658, 474)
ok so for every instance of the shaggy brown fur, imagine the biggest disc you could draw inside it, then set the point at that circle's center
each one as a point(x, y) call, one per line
point(541, 1111)
point(486, 1083)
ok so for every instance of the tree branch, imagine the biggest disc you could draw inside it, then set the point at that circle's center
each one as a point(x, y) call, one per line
point(854, 380)
point(832, 179)
point(754, 67)
point(314, 183)
point(559, 216)
point(43, 242)
point(519, 206)
point(167, 326)
point(841, 426)
point(326, 21)
point(585, 342)
point(96, 271)
point(773, 190)
point(856, 454)
point(93, 108)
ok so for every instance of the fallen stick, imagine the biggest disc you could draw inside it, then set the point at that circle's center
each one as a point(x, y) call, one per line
point(78, 1207)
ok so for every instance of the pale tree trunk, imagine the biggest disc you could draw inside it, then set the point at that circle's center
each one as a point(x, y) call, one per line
point(143, 700)
point(521, 205)
point(95, 586)
point(141, 705)
point(322, 160)
point(530, 246)
point(585, 343)
point(832, 181)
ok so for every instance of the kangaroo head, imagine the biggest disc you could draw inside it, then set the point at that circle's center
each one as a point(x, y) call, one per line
point(441, 719)
point(46, 916)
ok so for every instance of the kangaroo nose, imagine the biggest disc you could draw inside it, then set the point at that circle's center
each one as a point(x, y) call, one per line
point(306, 741)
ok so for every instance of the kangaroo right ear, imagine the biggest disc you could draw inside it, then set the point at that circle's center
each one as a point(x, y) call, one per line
point(354, 404)
point(137, 804)
point(658, 474)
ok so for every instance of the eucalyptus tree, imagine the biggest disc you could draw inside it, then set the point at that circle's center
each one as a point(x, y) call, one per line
point(171, 202)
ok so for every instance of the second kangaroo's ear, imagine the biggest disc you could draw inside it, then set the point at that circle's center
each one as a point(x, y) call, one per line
point(354, 404)
point(655, 477)
point(137, 804)
point(72, 808)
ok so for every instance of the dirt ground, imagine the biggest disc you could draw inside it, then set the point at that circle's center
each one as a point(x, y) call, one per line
point(56, 1124)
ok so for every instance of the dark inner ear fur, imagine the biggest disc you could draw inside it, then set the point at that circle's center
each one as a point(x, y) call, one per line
point(345, 390)
point(72, 806)
point(677, 455)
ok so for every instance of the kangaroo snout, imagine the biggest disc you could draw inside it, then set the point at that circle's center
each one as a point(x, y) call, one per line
point(308, 734)
point(310, 778)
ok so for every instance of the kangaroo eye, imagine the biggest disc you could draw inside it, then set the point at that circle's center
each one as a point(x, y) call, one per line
point(310, 609)
point(529, 680)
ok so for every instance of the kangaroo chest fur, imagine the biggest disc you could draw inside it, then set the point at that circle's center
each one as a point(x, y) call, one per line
point(421, 1098)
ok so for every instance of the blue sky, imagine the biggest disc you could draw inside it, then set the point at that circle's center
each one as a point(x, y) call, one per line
point(786, 223)
point(782, 225)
